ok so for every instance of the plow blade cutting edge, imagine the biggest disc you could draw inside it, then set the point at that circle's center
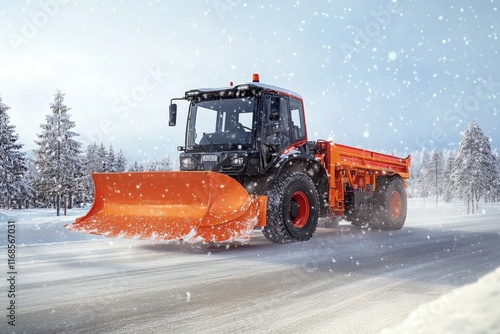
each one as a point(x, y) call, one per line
point(192, 206)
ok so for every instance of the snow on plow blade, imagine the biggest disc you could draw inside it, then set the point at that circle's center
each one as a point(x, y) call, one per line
point(192, 206)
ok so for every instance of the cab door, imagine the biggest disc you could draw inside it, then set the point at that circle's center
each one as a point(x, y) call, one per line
point(276, 133)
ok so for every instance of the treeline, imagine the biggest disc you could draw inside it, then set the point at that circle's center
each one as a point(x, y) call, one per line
point(58, 175)
point(470, 173)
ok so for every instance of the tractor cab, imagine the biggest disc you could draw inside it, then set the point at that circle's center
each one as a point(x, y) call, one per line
point(240, 130)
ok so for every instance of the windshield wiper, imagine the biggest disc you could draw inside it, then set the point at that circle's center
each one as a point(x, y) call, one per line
point(210, 141)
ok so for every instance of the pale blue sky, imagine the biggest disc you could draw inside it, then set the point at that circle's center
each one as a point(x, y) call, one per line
point(378, 74)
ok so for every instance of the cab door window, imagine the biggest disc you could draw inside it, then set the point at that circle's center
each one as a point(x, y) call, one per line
point(298, 122)
point(276, 126)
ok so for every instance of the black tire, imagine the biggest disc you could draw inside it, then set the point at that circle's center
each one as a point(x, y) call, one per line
point(389, 205)
point(292, 209)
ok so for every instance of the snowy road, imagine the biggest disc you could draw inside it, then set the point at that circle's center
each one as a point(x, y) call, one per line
point(344, 280)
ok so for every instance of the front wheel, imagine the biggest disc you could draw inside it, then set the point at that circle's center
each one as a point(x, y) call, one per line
point(292, 211)
point(390, 205)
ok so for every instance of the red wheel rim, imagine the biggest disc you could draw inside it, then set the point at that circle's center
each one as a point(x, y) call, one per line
point(395, 205)
point(299, 209)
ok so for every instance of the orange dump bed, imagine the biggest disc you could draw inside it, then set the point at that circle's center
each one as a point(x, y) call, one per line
point(359, 158)
point(355, 169)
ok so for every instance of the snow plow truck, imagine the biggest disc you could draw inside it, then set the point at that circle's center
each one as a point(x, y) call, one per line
point(247, 164)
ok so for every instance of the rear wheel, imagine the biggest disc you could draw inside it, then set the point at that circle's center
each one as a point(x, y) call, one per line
point(390, 205)
point(292, 210)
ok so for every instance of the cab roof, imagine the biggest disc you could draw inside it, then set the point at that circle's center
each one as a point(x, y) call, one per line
point(238, 91)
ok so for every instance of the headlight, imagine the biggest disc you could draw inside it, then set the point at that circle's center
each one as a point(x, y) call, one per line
point(237, 161)
point(187, 163)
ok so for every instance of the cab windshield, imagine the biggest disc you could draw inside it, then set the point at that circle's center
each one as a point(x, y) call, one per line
point(224, 124)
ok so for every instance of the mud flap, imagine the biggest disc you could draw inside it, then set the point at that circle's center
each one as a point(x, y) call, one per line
point(192, 206)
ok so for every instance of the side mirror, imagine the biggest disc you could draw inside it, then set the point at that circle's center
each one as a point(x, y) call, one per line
point(172, 118)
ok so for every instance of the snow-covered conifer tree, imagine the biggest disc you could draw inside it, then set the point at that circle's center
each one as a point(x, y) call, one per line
point(111, 160)
point(57, 157)
point(28, 197)
point(495, 186)
point(102, 159)
point(92, 162)
point(12, 161)
point(136, 167)
point(419, 173)
point(121, 162)
point(474, 169)
point(90, 165)
point(449, 160)
point(164, 164)
point(434, 174)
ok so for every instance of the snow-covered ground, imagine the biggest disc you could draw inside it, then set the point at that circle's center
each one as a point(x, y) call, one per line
point(470, 309)
point(437, 275)
point(42, 226)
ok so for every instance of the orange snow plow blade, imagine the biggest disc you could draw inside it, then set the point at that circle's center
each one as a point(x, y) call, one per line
point(192, 206)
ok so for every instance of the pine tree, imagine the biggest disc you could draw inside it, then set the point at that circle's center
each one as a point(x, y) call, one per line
point(493, 193)
point(12, 162)
point(163, 164)
point(495, 186)
point(111, 160)
point(121, 162)
point(102, 159)
point(77, 196)
point(474, 169)
point(448, 167)
point(497, 183)
point(90, 165)
point(57, 158)
point(92, 161)
point(28, 198)
point(137, 167)
point(420, 172)
point(434, 174)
